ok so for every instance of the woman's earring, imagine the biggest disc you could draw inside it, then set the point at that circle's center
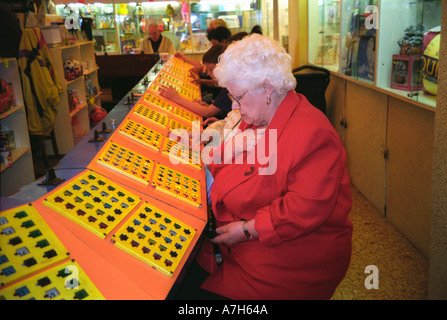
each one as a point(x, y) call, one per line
point(268, 100)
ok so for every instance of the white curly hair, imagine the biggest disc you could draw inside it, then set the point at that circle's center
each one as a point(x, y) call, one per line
point(252, 61)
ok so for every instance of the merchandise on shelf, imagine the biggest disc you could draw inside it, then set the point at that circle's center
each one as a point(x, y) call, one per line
point(73, 100)
point(90, 90)
point(4, 141)
point(430, 63)
point(96, 114)
point(7, 99)
point(5, 150)
point(72, 69)
point(366, 55)
point(406, 72)
point(411, 42)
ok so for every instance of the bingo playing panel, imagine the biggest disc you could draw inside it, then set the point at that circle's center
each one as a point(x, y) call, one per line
point(63, 282)
point(157, 101)
point(177, 126)
point(178, 72)
point(155, 86)
point(188, 90)
point(151, 115)
point(127, 162)
point(181, 152)
point(167, 79)
point(185, 115)
point(138, 132)
point(177, 185)
point(93, 202)
point(27, 244)
point(155, 237)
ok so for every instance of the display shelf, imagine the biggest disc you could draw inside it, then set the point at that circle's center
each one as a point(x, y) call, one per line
point(16, 154)
point(9, 112)
point(72, 120)
point(390, 45)
point(427, 102)
point(19, 170)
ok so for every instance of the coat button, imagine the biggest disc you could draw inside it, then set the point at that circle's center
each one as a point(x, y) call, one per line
point(249, 171)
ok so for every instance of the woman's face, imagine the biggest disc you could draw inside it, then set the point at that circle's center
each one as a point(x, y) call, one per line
point(251, 105)
point(210, 69)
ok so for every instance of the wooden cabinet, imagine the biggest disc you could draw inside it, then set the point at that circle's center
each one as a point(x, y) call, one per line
point(389, 146)
point(73, 123)
point(19, 171)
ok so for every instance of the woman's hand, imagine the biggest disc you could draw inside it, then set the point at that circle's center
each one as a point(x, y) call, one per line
point(179, 55)
point(209, 121)
point(230, 234)
point(170, 93)
point(194, 71)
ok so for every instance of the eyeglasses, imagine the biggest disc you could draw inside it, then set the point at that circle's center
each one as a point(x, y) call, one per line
point(236, 99)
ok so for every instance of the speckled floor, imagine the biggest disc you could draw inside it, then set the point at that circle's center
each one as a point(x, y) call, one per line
point(402, 270)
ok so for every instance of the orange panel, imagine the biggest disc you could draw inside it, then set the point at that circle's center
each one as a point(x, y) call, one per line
point(116, 273)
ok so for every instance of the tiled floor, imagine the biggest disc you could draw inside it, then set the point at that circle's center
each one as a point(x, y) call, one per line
point(402, 270)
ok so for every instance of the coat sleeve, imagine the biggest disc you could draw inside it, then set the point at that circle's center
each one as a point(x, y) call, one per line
point(168, 46)
point(314, 178)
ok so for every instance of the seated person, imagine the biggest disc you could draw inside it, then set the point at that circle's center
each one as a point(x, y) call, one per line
point(156, 42)
point(216, 34)
point(220, 106)
point(264, 217)
point(219, 35)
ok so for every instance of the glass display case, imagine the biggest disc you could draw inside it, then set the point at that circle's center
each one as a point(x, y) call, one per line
point(324, 33)
point(119, 27)
point(409, 35)
point(104, 27)
point(275, 20)
point(358, 40)
point(239, 16)
point(391, 44)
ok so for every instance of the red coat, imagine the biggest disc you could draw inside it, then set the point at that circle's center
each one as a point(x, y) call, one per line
point(301, 212)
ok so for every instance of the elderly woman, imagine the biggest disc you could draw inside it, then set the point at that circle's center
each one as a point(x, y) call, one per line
point(282, 233)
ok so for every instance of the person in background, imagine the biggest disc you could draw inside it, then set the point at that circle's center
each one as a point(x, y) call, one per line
point(198, 65)
point(220, 106)
point(155, 42)
point(217, 23)
point(283, 231)
point(216, 35)
point(219, 35)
